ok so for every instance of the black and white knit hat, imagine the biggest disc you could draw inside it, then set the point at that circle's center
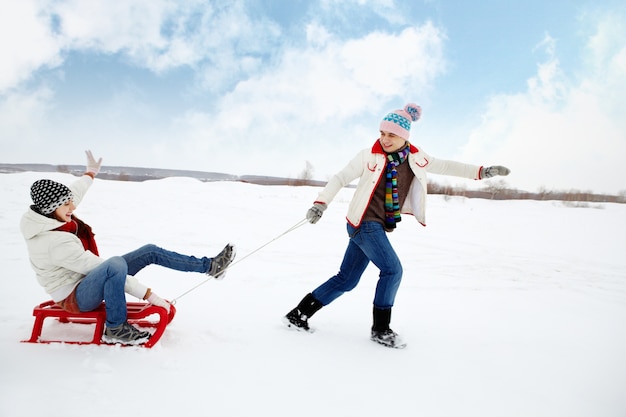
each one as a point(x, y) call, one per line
point(49, 195)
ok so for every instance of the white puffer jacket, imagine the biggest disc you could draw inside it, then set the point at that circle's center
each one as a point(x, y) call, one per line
point(59, 259)
point(369, 165)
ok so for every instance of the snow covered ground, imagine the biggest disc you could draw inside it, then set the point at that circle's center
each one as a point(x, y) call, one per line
point(509, 308)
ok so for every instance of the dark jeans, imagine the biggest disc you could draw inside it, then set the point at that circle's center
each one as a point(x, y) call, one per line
point(106, 281)
point(367, 243)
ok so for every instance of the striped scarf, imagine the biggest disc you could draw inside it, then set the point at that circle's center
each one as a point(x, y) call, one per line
point(392, 202)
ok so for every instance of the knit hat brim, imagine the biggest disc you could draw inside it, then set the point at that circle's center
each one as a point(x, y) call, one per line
point(395, 128)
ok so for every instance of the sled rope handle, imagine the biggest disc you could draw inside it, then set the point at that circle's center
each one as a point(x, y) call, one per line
point(291, 229)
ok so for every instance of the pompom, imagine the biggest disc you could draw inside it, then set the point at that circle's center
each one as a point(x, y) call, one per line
point(414, 111)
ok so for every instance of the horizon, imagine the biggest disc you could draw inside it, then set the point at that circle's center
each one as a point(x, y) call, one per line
point(497, 188)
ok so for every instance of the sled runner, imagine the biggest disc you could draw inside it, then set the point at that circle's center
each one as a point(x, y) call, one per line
point(138, 314)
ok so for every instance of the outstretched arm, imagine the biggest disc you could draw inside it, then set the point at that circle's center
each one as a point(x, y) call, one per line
point(460, 169)
point(82, 184)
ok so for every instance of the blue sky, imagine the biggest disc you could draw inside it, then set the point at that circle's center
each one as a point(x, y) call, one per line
point(263, 87)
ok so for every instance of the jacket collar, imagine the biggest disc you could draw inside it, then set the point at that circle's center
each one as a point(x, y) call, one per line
point(378, 148)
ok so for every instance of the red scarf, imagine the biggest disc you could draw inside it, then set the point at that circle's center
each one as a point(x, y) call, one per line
point(84, 233)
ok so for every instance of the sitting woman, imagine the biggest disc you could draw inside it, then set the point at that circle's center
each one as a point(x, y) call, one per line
point(63, 252)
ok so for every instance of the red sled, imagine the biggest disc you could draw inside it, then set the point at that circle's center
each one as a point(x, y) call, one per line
point(138, 314)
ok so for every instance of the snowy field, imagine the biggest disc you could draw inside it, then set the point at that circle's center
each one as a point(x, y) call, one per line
point(509, 308)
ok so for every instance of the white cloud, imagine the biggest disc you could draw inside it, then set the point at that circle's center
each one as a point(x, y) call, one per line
point(324, 97)
point(219, 40)
point(326, 94)
point(26, 42)
point(566, 131)
point(109, 27)
point(37, 34)
point(317, 35)
point(21, 116)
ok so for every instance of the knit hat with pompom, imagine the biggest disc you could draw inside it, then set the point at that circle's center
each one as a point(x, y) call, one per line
point(398, 122)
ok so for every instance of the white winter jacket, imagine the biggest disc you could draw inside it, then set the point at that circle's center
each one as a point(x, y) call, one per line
point(369, 166)
point(59, 259)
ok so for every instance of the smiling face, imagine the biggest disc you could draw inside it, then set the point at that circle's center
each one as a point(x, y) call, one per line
point(391, 142)
point(64, 213)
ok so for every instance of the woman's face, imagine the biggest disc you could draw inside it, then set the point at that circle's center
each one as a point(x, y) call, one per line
point(391, 142)
point(64, 213)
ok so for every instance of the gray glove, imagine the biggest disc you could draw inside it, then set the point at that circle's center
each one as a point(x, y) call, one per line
point(489, 172)
point(315, 212)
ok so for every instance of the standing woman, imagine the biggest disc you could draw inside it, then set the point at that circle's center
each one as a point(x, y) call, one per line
point(392, 180)
point(63, 252)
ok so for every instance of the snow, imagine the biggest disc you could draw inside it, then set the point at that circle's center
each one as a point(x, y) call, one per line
point(509, 308)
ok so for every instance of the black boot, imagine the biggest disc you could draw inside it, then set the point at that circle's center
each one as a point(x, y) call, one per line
point(299, 316)
point(382, 318)
point(382, 333)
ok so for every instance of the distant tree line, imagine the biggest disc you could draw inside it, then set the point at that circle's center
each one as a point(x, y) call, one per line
point(499, 190)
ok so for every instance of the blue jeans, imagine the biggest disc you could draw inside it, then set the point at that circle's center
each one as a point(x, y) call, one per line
point(367, 243)
point(106, 281)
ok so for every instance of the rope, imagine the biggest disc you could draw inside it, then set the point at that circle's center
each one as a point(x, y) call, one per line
point(291, 229)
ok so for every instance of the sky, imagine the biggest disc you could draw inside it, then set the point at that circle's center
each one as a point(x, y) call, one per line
point(526, 323)
point(288, 88)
